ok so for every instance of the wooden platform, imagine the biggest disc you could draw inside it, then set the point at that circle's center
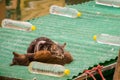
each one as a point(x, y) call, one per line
point(35, 8)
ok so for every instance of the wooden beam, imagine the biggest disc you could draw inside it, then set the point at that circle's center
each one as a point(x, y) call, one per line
point(2, 10)
point(117, 69)
point(105, 68)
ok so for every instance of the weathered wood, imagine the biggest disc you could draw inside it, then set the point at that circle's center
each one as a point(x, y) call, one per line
point(37, 8)
point(105, 68)
point(71, 2)
point(117, 69)
point(2, 10)
point(34, 8)
point(8, 78)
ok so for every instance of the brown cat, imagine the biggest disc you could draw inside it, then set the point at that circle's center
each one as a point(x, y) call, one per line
point(40, 56)
point(44, 43)
point(22, 59)
point(46, 57)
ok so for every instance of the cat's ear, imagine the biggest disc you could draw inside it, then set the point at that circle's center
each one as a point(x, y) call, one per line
point(63, 46)
point(16, 54)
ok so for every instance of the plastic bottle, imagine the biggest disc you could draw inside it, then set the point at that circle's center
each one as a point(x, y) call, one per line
point(114, 3)
point(107, 39)
point(48, 69)
point(18, 25)
point(64, 11)
point(104, 2)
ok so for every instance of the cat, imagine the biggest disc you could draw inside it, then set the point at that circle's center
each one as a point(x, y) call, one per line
point(40, 56)
point(46, 57)
point(32, 45)
point(45, 50)
point(44, 43)
point(21, 59)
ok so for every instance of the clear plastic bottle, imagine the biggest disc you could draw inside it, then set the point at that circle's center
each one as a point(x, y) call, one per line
point(18, 25)
point(64, 11)
point(48, 69)
point(114, 3)
point(107, 39)
point(104, 2)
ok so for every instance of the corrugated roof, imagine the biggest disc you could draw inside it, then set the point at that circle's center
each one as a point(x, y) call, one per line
point(77, 33)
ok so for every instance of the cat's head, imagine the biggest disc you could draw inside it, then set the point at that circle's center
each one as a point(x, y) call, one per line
point(58, 50)
point(21, 59)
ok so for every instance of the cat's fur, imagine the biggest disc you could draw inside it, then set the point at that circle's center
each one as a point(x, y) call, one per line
point(44, 43)
point(46, 57)
point(40, 56)
point(21, 59)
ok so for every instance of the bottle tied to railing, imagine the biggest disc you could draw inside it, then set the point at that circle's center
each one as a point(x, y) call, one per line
point(107, 39)
point(64, 11)
point(48, 69)
point(18, 25)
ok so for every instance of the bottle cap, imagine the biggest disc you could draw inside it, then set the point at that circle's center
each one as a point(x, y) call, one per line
point(33, 28)
point(95, 37)
point(67, 72)
point(78, 14)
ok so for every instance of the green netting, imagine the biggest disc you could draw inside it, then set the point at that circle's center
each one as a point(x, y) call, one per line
point(77, 33)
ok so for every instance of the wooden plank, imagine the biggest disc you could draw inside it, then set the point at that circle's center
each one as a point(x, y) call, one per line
point(117, 69)
point(71, 2)
point(8, 78)
point(39, 8)
point(2, 10)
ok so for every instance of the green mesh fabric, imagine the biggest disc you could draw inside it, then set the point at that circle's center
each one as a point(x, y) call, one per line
point(77, 33)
